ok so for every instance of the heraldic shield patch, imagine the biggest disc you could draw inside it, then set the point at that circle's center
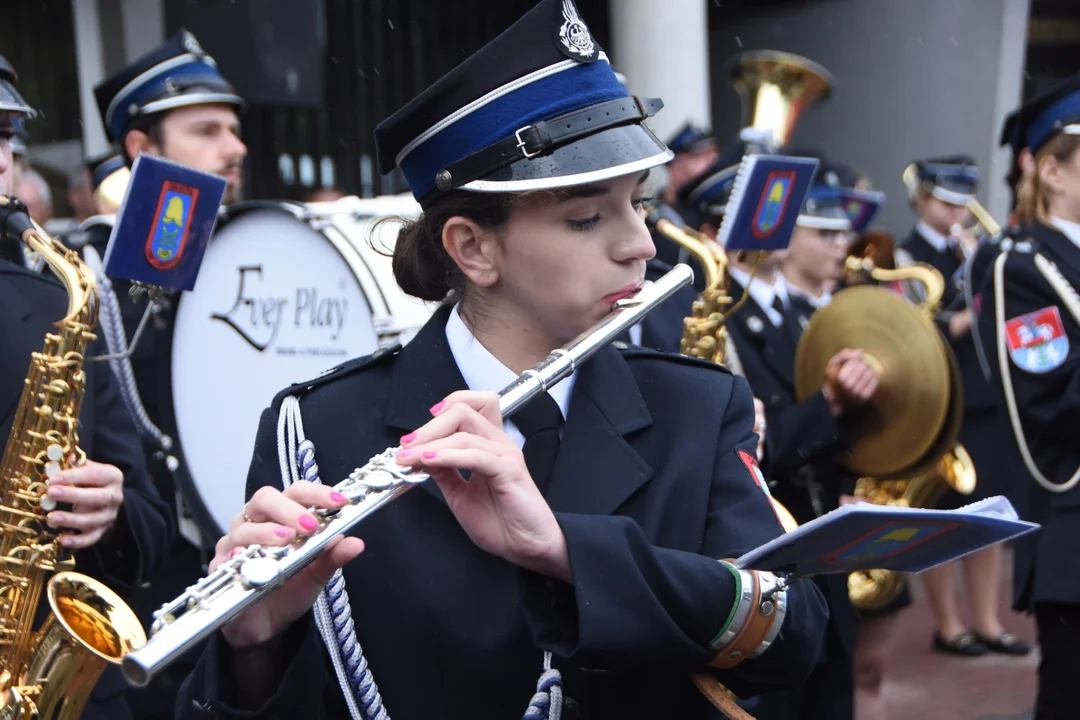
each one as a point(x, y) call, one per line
point(1037, 341)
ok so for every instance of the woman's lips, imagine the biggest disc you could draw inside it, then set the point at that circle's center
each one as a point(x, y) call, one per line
point(624, 293)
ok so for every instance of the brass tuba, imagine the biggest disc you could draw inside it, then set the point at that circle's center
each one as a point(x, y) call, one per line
point(915, 463)
point(775, 87)
point(49, 672)
point(876, 589)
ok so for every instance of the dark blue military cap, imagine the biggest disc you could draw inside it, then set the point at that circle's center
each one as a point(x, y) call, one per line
point(1055, 111)
point(102, 166)
point(952, 179)
point(10, 99)
point(707, 194)
point(1010, 133)
point(691, 138)
point(825, 207)
point(20, 141)
point(175, 74)
point(538, 107)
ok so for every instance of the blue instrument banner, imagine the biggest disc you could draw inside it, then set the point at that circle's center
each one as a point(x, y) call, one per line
point(861, 206)
point(765, 202)
point(164, 224)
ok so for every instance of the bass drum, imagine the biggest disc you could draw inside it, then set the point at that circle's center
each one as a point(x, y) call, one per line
point(285, 292)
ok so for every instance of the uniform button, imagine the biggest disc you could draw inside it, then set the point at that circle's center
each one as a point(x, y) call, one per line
point(620, 345)
point(571, 709)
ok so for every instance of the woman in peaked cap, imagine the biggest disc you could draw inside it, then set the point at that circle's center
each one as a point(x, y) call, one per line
point(592, 533)
point(1029, 329)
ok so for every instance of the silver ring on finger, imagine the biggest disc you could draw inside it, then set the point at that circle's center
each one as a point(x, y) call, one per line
point(247, 518)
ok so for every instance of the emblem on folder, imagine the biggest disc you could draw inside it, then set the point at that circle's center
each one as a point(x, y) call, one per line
point(774, 201)
point(1037, 341)
point(172, 222)
point(890, 539)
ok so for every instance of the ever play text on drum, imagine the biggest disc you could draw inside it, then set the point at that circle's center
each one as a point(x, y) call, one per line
point(254, 316)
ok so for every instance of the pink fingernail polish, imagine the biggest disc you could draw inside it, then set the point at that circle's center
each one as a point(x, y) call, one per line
point(308, 523)
point(282, 532)
point(338, 497)
point(429, 454)
point(404, 453)
point(437, 407)
point(233, 552)
point(406, 439)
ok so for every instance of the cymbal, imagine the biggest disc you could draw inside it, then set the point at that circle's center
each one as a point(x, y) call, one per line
point(910, 416)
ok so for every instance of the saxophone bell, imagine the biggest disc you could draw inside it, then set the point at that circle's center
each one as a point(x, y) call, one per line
point(50, 672)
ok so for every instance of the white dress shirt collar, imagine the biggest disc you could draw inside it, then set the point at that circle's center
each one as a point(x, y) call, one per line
point(483, 371)
point(935, 239)
point(763, 293)
point(1069, 229)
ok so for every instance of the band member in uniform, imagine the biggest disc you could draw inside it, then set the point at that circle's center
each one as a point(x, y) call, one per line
point(173, 103)
point(116, 523)
point(940, 191)
point(1030, 330)
point(603, 549)
point(801, 438)
point(695, 150)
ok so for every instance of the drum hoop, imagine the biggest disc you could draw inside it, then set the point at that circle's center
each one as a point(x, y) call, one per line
point(183, 480)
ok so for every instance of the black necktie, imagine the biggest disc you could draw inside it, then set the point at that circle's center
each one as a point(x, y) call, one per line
point(539, 421)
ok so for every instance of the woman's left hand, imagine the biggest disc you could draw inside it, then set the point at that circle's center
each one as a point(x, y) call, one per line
point(499, 506)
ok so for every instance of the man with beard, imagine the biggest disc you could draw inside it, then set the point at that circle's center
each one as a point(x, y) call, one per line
point(175, 104)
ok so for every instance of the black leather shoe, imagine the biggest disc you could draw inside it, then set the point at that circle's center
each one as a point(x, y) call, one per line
point(1005, 643)
point(963, 644)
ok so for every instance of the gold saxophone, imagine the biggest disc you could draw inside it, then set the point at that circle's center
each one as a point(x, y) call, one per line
point(876, 589)
point(49, 672)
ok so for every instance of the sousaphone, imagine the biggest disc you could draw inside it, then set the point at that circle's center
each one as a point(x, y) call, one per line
point(775, 88)
point(914, 418)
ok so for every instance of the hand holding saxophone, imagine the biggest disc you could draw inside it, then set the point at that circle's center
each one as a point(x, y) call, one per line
point(95, 493)
point(500, 506)
point(850, 381)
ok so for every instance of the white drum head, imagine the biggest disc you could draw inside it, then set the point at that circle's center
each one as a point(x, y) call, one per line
point(275, 303)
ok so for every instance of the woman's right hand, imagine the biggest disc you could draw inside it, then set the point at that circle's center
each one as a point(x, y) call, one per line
point(273, 518)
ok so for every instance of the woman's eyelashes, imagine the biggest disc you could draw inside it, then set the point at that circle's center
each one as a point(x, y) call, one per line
point(587, 224)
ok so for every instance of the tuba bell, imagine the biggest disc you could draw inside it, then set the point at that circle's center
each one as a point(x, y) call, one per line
point(775, 87)
point(908, 454)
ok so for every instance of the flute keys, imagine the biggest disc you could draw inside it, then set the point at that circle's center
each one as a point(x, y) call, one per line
point(259, 571)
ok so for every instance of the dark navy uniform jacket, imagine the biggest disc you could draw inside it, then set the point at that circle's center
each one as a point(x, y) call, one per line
point(29, 305)
point(1046, 383)
point(951, 266)
point(649, 489)
point(801, 438)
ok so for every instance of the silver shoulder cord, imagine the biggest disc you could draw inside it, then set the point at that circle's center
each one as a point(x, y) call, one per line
point(119, 356)
point(333, 614)
point(1069, 298)
point(244, 579)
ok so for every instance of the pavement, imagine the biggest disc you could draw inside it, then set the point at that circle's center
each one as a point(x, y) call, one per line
point(928, 685)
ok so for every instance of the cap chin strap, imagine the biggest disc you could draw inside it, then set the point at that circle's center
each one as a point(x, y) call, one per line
point(1071, 300)
point(543, 137)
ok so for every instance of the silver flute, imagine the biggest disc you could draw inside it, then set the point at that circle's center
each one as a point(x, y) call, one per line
point(255, 572)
